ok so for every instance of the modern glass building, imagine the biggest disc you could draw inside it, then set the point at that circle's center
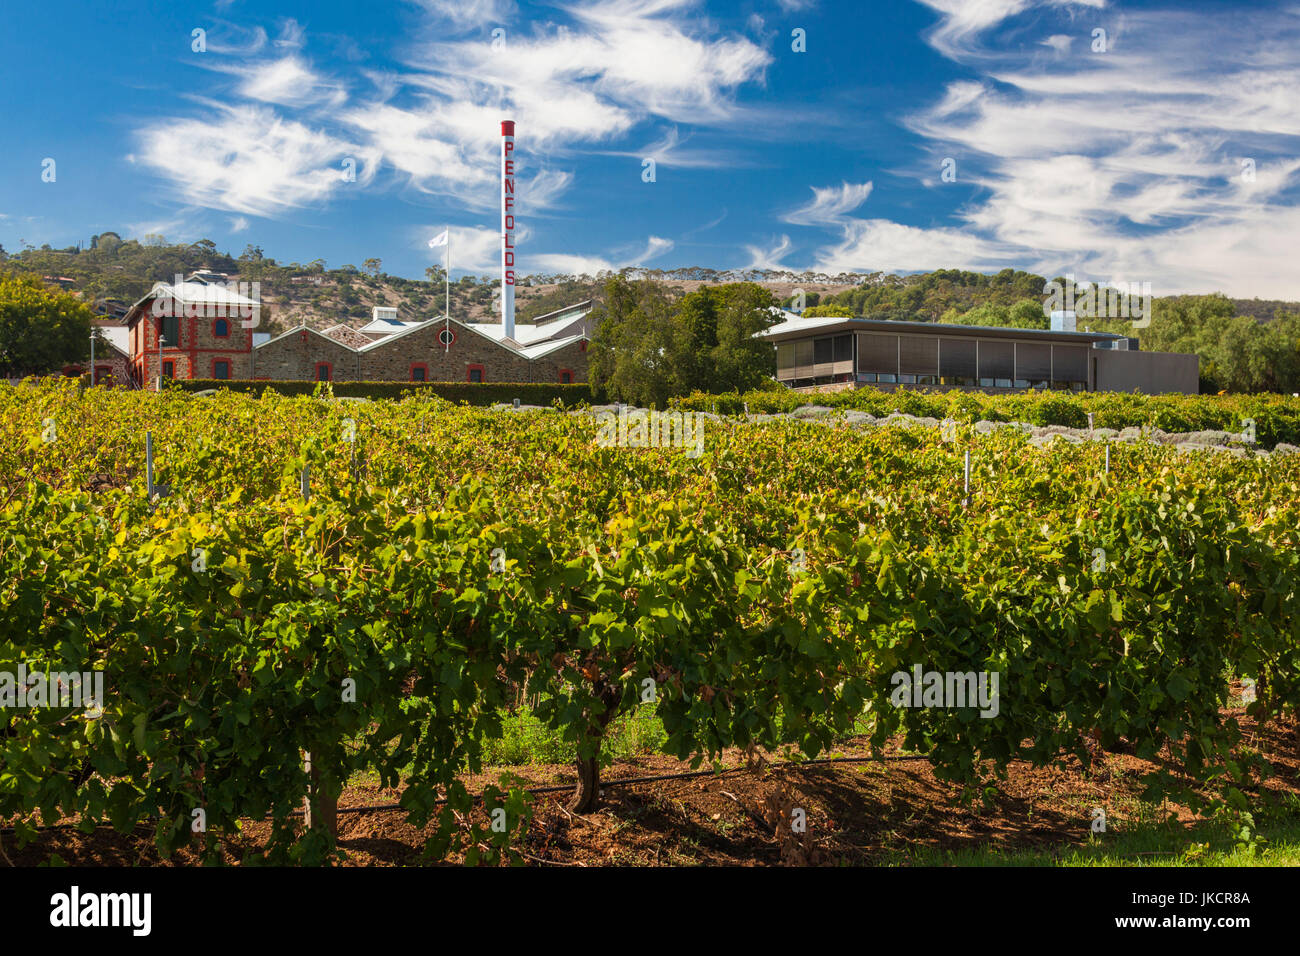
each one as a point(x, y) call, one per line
point(830, 353)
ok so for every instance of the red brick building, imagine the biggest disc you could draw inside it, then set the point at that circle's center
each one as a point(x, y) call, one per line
point(203, 331)
point(206, 329)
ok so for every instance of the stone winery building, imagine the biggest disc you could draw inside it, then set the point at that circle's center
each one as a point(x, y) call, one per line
point(203, 336)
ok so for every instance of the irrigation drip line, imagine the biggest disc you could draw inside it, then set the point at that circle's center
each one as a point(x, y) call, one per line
point(627, 781)
point(564, 787)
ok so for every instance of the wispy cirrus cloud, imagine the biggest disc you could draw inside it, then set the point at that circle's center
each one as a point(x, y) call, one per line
point(769, 257)
point(1126, 163)
point(568, 264)
point(964, 22)
point(668, 151)
point(830, 205)
point(431, 124)
point(289, 81)
point(247, 159)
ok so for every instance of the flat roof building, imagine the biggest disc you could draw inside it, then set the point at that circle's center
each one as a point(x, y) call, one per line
point(822, 354)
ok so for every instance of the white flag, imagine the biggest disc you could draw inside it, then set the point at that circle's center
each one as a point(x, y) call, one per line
point(439, 240)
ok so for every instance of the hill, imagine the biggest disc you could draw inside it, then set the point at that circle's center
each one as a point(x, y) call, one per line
point(112, 272)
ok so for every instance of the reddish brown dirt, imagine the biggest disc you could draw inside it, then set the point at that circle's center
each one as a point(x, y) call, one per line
point(857, 813)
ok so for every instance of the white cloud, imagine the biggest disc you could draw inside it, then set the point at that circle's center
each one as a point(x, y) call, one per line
point(873, 245)
point(655, 246)
point(177, 228)
point(473, 248)
point(1060, 42)
point(567, 264)
point(238, 224)
point(667, 151)
point(470, 13)
point(760, 258)
point(246, 159)
point(1126, 164)
point(830, 205)
point(289, 82)
point(433, 122)
point(291, 35)
point(570, 264)
point(231, 39)
point(964, 21)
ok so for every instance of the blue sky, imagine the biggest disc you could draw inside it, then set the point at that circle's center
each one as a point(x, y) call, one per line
point(1122, 164)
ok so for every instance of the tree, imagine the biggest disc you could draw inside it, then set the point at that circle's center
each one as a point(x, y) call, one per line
point(634, 332)
point(828, 312)
point(648, 348)
point(372, 266)
point(435, 274)
point(251, 253)
point(40, 330)
point(739, 360)
point(1028, 314)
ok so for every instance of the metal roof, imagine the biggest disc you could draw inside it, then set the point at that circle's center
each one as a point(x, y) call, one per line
point(189, 293)
point(796, 328)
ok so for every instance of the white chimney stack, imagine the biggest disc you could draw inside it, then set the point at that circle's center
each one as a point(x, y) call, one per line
point(508, 228)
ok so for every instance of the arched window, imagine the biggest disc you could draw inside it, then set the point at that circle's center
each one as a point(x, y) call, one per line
point(221, 329)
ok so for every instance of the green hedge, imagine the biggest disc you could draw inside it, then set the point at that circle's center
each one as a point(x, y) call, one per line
point(1276, 417)
point(470, 393)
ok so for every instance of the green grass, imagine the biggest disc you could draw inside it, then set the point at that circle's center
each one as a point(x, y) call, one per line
point(1146, 844)
point(526, 740)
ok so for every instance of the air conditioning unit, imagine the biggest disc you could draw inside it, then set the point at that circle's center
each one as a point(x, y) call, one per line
point(1117, 345)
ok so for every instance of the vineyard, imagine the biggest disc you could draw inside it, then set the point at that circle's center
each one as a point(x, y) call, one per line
point(377, 584)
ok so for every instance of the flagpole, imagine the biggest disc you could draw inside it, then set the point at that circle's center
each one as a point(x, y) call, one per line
point(446, 278)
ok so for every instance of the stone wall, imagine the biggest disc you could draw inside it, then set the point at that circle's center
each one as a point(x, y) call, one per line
point(392, 359)
point(293, 357)
point(572, 357)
